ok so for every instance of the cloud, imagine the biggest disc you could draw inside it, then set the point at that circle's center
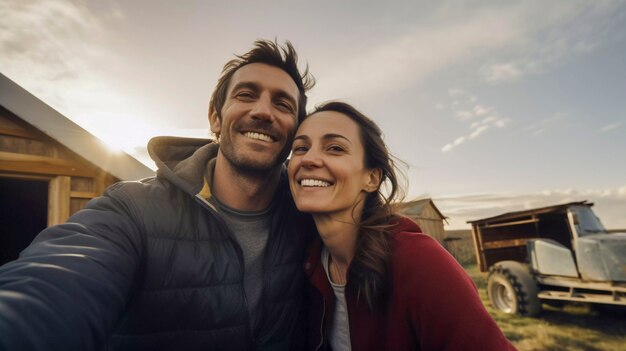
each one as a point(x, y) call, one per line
point(610, 204)
point(480, 110)
point(490, 120)
point(578, 28)
point(464, 115)
point(611, 126)
point(48, 44)
point(478, 131)
point(546, 124)
point(408, 57)
point(454, 92)
point(521, 37)
point(502, 72)
point(54, 50)
point(47, 31)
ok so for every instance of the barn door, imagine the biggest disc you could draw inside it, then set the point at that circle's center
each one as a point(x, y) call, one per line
point(23, 214)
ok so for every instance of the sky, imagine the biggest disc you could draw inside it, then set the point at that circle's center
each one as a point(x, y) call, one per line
point(494, 106)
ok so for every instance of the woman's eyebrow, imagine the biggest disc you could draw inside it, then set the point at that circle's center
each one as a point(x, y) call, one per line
point(302, 137)
point(335, 136)
point(329, 136)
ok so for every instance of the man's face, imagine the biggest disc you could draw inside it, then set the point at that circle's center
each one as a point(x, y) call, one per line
point(259, 118)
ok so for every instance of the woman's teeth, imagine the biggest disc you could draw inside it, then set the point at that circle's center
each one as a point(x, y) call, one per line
point(314, 182)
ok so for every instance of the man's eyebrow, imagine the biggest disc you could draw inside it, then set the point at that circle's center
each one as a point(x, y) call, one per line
point(246, 85)
point(256, 88)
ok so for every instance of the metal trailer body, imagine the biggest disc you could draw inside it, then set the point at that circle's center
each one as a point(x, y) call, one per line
point(555, 253)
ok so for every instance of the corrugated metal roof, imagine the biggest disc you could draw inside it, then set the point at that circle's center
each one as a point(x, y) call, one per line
point(530, 212)
point(43, 117)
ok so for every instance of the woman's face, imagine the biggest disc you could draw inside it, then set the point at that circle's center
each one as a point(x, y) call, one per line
point(327, 174)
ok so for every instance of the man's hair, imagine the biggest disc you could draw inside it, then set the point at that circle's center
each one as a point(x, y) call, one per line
point(269, 53)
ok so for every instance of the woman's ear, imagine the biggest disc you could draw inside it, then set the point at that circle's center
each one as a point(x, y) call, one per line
point(372, 183)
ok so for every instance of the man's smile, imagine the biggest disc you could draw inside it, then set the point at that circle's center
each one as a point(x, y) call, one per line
point(259, 136)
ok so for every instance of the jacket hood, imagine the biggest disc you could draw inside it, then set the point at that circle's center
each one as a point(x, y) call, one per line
point(182, 161)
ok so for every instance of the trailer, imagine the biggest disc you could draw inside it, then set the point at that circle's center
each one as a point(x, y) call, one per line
point(550, 255)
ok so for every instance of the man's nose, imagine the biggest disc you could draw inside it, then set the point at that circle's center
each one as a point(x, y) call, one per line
point(262, 108)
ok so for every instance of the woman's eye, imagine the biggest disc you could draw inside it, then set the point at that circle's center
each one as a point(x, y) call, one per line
point(299, 149)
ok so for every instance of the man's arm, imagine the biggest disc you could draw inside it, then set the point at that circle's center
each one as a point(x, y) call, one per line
point(68, 288)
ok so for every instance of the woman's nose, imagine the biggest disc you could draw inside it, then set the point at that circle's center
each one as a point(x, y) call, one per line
point(311, 159)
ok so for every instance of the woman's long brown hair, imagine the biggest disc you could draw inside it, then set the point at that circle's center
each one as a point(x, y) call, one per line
point(368, 271)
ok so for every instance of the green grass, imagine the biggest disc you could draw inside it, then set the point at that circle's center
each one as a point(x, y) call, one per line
point(574, 327)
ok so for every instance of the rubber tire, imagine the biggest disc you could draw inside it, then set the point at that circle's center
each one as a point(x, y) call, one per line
point(512, 289)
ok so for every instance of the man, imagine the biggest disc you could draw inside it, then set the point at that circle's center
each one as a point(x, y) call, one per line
point(205, 255)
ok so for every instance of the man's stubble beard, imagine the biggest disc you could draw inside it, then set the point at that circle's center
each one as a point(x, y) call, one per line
point(247, 164)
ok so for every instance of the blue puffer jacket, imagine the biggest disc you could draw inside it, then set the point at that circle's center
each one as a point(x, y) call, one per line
point(150, 266)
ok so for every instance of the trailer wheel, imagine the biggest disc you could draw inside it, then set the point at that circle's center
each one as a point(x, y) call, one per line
point(512, 289)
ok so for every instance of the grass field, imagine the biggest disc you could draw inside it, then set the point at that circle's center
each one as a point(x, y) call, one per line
point(575, 327)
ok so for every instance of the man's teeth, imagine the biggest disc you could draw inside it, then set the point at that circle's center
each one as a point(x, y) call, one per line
point(258, 136)
point(314, 182)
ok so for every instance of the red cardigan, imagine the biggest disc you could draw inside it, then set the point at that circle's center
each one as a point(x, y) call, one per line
point(433, 304)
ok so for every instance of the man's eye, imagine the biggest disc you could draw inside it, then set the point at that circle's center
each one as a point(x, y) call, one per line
point(285, 106)
point(245, 95)
point(335, 148)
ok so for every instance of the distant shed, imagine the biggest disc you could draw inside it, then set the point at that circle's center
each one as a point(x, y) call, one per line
point(49, 167)
point(427, 216)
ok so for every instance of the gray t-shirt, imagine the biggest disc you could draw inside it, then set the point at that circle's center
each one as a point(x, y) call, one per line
point(251, 230)
point(339, 336)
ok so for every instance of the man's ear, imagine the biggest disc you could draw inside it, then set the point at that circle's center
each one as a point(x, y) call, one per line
point(215, 122)
point(372, 182)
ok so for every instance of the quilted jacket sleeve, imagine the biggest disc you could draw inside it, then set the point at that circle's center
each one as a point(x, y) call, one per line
point(68, 288)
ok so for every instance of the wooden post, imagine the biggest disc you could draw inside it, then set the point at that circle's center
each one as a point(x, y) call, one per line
point(478, 249)
point(58, 200)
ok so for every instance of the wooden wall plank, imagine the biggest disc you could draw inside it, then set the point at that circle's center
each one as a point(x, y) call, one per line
point(83, 194)
point(22, 133)
point(27, 146)
point(59, 200)
point(34, 164)
point(77, 205)
point(82, 184)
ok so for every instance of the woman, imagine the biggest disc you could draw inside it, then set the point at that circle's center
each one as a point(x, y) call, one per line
point(376, 282)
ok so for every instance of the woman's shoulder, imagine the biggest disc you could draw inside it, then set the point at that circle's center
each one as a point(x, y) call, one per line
point(411, 245)
point(408, 233)
point(419, 258)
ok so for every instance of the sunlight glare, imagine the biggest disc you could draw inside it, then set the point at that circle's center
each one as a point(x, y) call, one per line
point(122, 132)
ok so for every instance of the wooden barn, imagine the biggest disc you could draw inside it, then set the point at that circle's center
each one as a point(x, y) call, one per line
point(49, 168)
point(427, 216)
